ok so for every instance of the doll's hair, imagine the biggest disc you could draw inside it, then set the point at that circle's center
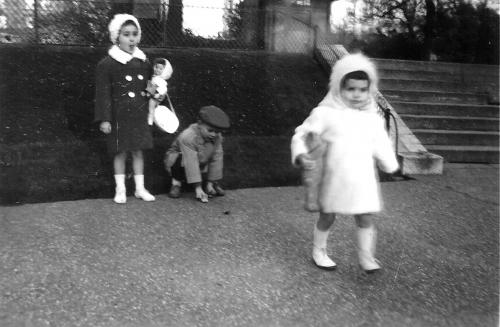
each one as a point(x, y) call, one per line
point(357, 75)
point(167, 67)
point(160, 61)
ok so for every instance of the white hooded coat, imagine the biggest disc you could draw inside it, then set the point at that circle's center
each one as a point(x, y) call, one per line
point(356, 141)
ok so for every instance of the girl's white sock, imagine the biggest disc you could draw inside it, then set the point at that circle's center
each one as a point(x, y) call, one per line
point(120, 181)
point(139, 182)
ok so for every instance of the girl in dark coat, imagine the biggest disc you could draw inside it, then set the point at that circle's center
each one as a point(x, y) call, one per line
point(121, 108)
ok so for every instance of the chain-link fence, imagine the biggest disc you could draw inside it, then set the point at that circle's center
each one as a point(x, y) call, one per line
point(165, 23)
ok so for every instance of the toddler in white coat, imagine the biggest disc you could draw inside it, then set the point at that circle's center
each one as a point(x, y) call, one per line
point(348, 122)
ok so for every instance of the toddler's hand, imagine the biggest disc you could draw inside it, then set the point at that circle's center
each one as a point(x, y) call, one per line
point(105, 127)
point(306, 162)
point(160, 97)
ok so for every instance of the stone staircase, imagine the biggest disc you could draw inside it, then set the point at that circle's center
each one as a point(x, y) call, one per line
point(451, 108)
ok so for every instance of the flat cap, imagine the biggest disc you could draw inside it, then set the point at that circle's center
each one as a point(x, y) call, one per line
point(215, 117)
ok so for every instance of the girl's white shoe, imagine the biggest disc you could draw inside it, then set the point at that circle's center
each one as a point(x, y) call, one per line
point(321, 259)
point(140, 191)
point(120, 195)
point(144, 195)
point(120, 190)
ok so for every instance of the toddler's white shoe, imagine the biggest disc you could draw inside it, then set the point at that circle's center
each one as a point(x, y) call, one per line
point(144, 195)
point(367, 239)
point(367, 262)
point(120, 196)
point(321, 259)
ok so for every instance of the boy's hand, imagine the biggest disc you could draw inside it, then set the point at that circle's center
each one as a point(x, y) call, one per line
point(306, 162)
point(200, 195)
point(105, 127)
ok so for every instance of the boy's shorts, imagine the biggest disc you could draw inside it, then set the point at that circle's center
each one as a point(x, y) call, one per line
point(177, 171)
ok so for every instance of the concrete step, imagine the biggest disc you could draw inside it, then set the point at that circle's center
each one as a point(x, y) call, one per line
point(443, 109)
point(441, 97)
point(469, 154)
point(419, 75)
point(423, 85)
point(450, 123)
point(441, 67)
point(456, 137)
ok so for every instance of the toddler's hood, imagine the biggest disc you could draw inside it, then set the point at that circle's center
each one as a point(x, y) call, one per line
point(346, 65)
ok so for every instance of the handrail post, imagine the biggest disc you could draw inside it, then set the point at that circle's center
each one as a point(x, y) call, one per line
point(35, 20)
point(315, 39)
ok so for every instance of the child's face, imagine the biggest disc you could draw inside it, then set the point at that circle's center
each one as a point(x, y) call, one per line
point(355, 93)
point(207, 131)
point(128, 38)
point(158, 69)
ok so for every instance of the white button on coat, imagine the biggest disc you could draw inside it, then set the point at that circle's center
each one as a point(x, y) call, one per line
point(140, 77)
point(131, 94)
point(128, 78)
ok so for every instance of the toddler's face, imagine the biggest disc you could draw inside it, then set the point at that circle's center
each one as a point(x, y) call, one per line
point(355, 93)
point(158, 69)
point(128, 38)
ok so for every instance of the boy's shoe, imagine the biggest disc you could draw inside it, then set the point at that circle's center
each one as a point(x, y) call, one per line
point(144, 195)
point(321, 259)
point(120, 196)
point(217, 190)
point(175, 192)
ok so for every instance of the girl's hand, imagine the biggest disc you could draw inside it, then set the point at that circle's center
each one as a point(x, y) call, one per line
point(306, 162)
point(105, 127)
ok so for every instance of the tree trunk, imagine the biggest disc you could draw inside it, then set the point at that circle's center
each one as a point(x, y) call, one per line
point(174, 22)
point(430, 22)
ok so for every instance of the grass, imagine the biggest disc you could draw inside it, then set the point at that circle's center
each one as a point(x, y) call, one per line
point(50, 149)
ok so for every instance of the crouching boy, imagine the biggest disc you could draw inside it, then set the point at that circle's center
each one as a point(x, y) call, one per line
point(198, 150)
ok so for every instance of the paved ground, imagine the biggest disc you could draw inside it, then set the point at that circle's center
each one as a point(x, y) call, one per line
point(244, 260)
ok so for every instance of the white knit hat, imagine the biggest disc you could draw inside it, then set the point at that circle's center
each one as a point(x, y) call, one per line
point(116, 24)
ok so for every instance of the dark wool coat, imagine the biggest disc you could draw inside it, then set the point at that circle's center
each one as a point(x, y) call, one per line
point(120, 101)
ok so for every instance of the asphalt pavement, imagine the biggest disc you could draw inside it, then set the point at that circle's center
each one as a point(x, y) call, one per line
point(244, 259)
